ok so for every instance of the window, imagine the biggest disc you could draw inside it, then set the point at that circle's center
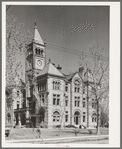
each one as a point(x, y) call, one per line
point(77, 89)
point(24, 104)
point(77, 101)
point(66, 87)
point(56, 85)
point(66, 102)
point(84, 103)
point(56, 116)
point(18, 104)
point(56, 99)
point(17, 93)
point(42, 86)
point(84, 90)
point(84, 116)
point(8, 118)
point(94, 117)
point(77, 85)
point(42, 98)
point(93, 104)
point(8, 104)
point(66, 118)
point(37, 51)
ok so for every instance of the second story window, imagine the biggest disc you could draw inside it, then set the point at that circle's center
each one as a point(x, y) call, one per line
point(56, 99)
point(56, 85)
point(84, 103)
point(77, 101)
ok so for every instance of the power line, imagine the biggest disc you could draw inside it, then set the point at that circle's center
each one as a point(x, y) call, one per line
point(71, 50)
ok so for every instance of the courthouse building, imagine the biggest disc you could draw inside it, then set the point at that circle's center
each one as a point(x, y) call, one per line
point(49, 97)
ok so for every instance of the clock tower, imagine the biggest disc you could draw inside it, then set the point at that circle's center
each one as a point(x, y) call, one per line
point(35, 58)
point(35, 62)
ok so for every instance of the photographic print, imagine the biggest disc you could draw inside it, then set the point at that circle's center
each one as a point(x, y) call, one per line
point(57, 62)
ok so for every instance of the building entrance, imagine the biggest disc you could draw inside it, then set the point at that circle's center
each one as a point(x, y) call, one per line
point(77, 118)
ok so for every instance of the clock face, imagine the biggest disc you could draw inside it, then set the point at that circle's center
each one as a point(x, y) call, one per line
point(39, 62)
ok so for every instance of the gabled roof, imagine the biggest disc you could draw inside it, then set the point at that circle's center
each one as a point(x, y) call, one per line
point(51, 70)
point(37, 38)
point(71, 75)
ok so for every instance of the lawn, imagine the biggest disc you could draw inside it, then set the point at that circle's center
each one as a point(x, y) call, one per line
point(30, 133)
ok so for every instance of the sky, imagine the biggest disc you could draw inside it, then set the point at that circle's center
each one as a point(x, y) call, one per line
point(65, 29)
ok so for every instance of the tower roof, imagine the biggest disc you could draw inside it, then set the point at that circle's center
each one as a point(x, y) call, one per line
point(37, 38)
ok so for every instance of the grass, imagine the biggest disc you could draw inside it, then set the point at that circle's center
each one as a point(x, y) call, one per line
point(29, 133)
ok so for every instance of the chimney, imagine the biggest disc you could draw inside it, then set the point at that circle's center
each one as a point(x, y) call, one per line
point(81, 69)
point(59, 67)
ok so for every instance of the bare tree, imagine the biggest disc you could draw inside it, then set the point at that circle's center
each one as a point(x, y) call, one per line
point(96, 77)
point(104, 112)
point(16, 42)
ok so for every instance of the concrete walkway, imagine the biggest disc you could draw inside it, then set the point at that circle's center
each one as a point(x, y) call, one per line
point(61, 140)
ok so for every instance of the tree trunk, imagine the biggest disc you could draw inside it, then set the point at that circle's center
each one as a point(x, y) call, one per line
point(98, 119)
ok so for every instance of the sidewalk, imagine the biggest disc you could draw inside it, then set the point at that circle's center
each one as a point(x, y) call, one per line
point(61, 140)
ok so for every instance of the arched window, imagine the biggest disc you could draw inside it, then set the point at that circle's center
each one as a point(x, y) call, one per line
point(77, 83)
point(37, 51)
point(8, 118)
point(56, 85)
point(94, 117)
point(56, 116)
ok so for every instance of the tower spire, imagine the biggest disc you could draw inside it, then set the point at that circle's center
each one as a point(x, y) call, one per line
point(37, 38)
point(35, 25)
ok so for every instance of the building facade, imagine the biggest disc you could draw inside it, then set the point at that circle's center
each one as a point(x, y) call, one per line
point(53, 98)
